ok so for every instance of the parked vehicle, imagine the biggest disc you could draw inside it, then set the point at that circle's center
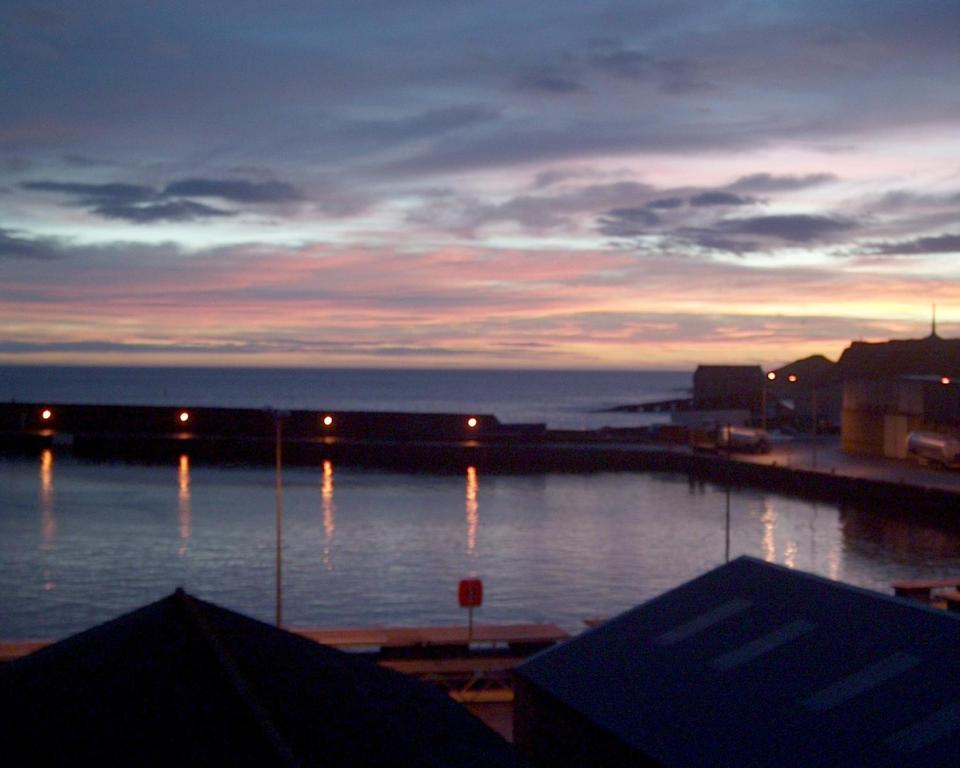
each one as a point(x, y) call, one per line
point(934, 448)
point(730, 438)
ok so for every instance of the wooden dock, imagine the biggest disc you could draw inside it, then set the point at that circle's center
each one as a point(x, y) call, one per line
point(521, 638)
point(940, 593)
point(472, 667)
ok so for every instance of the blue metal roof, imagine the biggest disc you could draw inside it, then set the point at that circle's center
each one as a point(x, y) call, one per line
point(756, 664)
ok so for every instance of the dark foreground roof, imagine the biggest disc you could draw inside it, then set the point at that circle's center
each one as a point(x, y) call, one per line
point(185, 682)
point(754, 664)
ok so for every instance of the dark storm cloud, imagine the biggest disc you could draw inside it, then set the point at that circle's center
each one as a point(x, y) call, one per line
point(710, 241)
point(13, 246)
point(173, 210)
point(706, 199)
point(671, 74)
point(636, 221)
point(766, 182)
point(142, 204)
point(666, 203)
point(235, 190)
point(541, 212)
point(518, 143)
point(91, 195)
point(627, 222)
point(738, 236)
point(795, 228)
point(231, 76)
point(919, 246)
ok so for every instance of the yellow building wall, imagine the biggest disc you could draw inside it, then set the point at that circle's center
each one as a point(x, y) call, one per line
point(862, 432)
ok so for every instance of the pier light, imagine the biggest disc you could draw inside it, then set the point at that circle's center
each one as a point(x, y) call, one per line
point(792, 378)
point(771, 376)
point(184, 417)
point(944, 379)
point(46, 414)
point(327, 420)
point(472, 422)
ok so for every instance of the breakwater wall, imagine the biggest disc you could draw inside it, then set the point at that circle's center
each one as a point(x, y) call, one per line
point(418, 442)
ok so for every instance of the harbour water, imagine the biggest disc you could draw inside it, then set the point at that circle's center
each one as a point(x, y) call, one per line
point(81, 542)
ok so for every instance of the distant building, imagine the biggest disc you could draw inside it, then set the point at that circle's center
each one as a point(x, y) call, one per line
point(895, 387)
point(806, 392)
point(750, 664)
point(728, 387)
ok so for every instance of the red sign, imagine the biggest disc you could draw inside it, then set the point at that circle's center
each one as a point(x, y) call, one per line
point(470, 593)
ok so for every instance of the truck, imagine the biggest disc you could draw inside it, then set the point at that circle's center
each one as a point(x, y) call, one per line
point(934, 448)
point(730, 438)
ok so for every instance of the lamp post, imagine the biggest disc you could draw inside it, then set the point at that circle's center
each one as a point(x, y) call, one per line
point(771, 376)
point(793, 379)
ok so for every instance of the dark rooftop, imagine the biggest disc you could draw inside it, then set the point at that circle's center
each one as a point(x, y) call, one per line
point(185, 682)
point(929, 356)
point(756, 664)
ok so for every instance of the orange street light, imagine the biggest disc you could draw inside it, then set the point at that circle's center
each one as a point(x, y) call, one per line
point(472, 422)
point(944, 379)
point(46, 414)
point(184, 417)
point(327, 420)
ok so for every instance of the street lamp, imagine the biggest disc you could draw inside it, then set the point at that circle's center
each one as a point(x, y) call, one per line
point(771, 376)
point(793, 379)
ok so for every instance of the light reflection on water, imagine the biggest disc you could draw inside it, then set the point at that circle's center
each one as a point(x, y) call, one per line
point(48, 519)
point(184, 513)
point(473, 510)
point(329, 513)
point(389, 547)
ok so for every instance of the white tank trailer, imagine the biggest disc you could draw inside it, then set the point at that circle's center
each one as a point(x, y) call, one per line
point(933, 448)
point(743, 439)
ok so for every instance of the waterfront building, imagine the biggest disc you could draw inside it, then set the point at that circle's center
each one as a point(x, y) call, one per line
point(726, 387)
point(893, 388)
point(806, 393)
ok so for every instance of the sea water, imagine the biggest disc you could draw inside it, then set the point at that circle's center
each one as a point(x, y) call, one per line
point(560, 399)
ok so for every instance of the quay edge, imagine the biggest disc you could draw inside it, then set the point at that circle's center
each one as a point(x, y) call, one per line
point(422, 442)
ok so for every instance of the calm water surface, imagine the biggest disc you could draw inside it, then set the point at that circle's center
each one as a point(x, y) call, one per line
point(81, 542)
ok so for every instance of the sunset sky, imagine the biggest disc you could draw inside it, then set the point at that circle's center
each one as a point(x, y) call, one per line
point(500, 184)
